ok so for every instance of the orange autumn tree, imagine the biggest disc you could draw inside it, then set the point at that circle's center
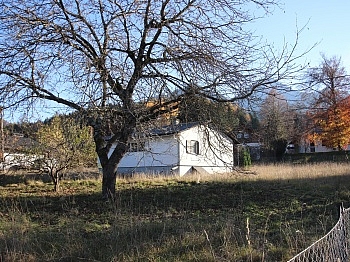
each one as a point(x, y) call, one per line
point(331, 106)
point(334, 125)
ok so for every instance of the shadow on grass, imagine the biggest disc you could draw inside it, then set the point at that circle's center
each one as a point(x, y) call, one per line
point(18, 178)
point(8, 178)
point(175, 221)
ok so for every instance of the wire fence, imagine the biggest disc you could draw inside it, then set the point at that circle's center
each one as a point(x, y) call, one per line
point(334, 246)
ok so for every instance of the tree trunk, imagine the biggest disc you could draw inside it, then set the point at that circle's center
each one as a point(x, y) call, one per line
point(109, 168)
point(109, 159)
point(108, 183)
point(56, 185)
point(56, 180)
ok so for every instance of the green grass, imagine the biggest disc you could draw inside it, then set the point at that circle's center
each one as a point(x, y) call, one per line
point(231, 218)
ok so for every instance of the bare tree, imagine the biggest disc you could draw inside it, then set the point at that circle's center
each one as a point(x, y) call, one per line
point(276, 124)
point(107, 59)
point(330, 83)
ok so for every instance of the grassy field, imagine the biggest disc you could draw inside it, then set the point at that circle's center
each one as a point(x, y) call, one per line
point(268, 214)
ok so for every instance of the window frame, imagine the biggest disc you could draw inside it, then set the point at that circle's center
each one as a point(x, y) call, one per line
point(192, 147)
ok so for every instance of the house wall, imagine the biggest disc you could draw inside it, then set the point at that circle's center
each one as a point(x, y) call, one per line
point(160, 156)
point(307, 147)
point(20, 160)
point(167, 154)
point(215, 151)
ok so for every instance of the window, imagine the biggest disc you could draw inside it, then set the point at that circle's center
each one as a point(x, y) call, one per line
point(192, 147)
point(136, 146)
point(312, 147)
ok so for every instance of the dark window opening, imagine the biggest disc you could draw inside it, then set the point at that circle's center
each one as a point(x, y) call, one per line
point(312, 147)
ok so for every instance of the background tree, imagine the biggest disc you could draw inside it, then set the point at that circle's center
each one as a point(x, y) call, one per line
point(330, 105)
point(276, 123)
point(17, 136)
point(62, 144)
point(106, 59)
point(229, 118)
point(299, 128)
point(226, 116)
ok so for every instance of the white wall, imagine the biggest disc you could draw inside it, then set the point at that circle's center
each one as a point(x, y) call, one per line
point(161, 154)
point(318, 148)
point(21, 160)
point(215, 151)
point(168, 154)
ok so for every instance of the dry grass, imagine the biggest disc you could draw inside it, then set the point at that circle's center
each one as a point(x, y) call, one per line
point(257, 172)
point(305, 171)
point(271, 172)
point(254, 215)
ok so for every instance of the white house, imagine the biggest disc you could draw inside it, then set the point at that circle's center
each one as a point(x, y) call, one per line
point(307, 146)
point(179, 149)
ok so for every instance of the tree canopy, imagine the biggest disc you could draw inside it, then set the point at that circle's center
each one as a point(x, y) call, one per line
point(331, 104)
point(63, 144)
point(105, 59)
point(227, 117)
point(276, 123)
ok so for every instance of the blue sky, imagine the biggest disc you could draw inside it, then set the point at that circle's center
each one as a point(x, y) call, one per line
point(326, 23)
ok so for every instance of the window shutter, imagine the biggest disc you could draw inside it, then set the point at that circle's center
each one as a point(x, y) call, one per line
point(196, 146)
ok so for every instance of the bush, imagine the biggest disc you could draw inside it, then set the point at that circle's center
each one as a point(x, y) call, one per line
point(246, 159)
